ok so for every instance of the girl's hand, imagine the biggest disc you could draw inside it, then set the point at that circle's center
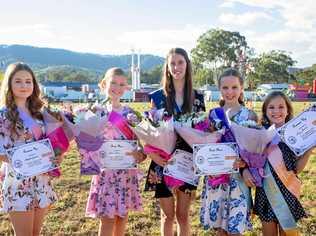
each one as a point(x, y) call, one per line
point(138, 155)
point(157, 159)
point(58, 159)
point(248, 178)
point(238, 163)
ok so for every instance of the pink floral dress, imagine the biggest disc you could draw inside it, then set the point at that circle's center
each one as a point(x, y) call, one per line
point(114, 192)
point(22, 194)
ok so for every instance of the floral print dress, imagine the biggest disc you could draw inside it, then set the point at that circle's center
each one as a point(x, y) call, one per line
point(29, 193)
point(114, 192)
point(225, 206)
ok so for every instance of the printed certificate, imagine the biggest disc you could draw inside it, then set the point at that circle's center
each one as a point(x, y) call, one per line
point(300, 132)
point(215, 158)
point(32, 158)
point(113, 154)
point(180, 166)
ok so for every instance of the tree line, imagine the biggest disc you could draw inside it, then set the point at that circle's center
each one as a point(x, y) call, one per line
point(215, 50)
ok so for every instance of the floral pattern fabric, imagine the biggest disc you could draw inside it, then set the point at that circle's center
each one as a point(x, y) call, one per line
point(22, 194)
point(225, 206)
point(114, 192)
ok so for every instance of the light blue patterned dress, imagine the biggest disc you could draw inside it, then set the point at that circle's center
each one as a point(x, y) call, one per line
point(227, 206)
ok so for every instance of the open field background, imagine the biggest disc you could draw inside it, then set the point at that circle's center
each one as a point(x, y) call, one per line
point(67, 216)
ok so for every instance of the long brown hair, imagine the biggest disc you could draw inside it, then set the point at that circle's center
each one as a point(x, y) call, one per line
point(33, 102)
point(235, 73)
point(168, 85)
point(264, 120)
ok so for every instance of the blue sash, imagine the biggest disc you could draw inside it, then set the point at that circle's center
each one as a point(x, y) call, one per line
point(278, 203)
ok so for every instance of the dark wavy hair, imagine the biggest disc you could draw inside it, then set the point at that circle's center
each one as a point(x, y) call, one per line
point(264, 119)
point(168, 85)
point(235, 73)
point(34, 103)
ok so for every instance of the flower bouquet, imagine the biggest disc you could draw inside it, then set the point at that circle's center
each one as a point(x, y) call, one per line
point(195, 128)
point(88, 129)
point(156, 130)
point(252, 141)
point(57, 134)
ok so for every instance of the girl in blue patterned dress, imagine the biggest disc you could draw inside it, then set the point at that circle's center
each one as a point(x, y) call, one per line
point(226, 198)
point(27, 200)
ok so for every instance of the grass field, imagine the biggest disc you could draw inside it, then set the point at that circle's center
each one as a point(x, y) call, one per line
point(67, 216)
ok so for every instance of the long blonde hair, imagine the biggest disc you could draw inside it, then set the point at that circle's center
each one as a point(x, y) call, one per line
point(34, 103)
point(110, 73)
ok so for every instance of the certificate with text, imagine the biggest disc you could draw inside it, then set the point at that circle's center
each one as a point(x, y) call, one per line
point(180, 167)
point(113, 154)
point(32, 159)
point(215, 158)
point(300, 132)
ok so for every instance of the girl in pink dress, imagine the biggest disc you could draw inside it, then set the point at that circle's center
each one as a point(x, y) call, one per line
point(114, 193)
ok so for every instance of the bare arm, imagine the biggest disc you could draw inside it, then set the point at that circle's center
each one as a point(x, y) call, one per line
point(3, 158)
point(301, 163)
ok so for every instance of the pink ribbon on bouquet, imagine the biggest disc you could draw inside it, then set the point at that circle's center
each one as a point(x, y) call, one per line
point(57, 136)
point(217, 180)
point(118, 121)
point(170, 181)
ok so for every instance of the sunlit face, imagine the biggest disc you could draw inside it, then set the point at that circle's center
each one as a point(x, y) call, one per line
point(277, 111)
point(177, 66)
point(116, 86)
point(22, 85)
point(231, 89)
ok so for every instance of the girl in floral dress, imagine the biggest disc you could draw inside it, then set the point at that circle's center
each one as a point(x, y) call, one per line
point(27, 200)
point(114, 193)
point(226, 198)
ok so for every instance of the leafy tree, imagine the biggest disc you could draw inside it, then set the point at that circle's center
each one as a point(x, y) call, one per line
point(1, 76)
point(218, 48)
point(153, 76)
point(202, 76)
point(307, 75)
point(271, 67)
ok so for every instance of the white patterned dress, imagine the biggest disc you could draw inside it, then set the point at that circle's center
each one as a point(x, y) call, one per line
point(22, 194)
point(225, 206)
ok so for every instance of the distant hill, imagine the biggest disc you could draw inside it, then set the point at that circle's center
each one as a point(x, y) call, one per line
point(41, 58)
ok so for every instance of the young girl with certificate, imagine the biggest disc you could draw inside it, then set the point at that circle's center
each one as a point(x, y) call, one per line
point(277, 201)
point(226, 198)
point(21, 121)
point(115, 192)
point(177, 97)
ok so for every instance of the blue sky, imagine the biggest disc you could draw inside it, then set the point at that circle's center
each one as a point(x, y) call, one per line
point(117, 26)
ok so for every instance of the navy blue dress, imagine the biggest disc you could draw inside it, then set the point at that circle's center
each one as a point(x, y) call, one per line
point(262, 206)
point(159, 99)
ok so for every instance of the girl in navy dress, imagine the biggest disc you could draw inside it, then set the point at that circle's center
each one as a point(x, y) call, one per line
point(178, 98)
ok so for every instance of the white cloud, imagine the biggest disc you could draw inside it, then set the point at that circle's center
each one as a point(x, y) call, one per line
point(297, 33)
point(227, 4)
point(160, 41)
point(246, 19)
point(300, 44)
point(295, 13)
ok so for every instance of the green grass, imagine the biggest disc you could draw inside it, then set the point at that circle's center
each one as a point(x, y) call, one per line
point(67, 216)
